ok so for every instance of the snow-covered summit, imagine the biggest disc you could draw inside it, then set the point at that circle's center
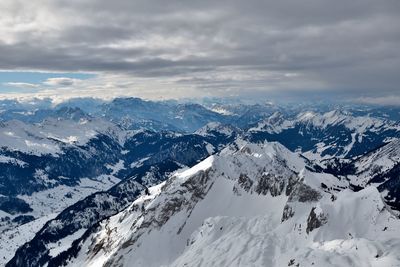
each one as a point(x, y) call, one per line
point(255, 203)
point(50, 135)
point(277, 122)
point(214, 128)
point(325, 135)
point(379, 160)
point(250, 205)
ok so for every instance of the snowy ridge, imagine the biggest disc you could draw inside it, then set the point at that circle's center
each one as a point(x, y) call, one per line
point(12, 239)
point(46, 205)
point(378, 162)
point(323, 136)
point(277, 123)
point(382, 159)
point(273, 124)
point(213, 128)
point(155, 165)
point(6, 159)
point(250, 205)
point(49, 136)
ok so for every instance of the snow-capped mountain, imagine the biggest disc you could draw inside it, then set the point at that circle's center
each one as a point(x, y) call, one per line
point(249, 205)
point(55, 158)
point(380, 168)
point(35, 115)
point(151, 156)
point(46, 167)
point(242, 115)
point(378, 161)
point(101, 155)
point(93, 182)
point(134, 112)
point(215, 128)
point(51, 135)
point(332, 134)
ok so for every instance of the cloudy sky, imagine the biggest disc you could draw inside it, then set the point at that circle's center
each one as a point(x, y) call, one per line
point(173, 49)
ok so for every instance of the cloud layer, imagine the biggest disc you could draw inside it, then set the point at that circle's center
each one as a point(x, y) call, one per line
point(186, 48)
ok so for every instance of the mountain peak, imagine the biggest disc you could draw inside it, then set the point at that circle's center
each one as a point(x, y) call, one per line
point(213, 128)
point(307, 115)
point(247, 196)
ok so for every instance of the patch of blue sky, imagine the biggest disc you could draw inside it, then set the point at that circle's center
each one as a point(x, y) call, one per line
point(34, 78)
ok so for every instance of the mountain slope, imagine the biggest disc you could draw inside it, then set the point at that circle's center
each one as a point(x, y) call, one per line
point(152, 156)
point(77, 187)
point(381, 168)
point(332, 134)
point(135, 112)
point(248, 205)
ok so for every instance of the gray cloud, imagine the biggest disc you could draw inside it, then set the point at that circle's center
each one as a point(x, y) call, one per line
point(390, 100)
point(349, 46)
point(60, 81)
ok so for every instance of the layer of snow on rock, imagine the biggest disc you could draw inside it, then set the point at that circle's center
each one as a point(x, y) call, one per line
point(204, 216)
point(277, 123)
point(6, 159)
point(12, 239)
point(48, 136)
point(58, 198)
point(377, 161)
point(211, 127)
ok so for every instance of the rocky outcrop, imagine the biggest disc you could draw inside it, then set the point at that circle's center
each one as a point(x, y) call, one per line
point(315, 220)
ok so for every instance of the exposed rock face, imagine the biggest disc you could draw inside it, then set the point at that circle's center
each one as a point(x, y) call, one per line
point(163, 153)
point(245, 182)
point(341, 135)
point(299, 192)
point(287, 213)
point(243, 203)
point(196, 219)
point(275, 184)
point(315, 221)
point(196, 187)
point(304, 193)
point(184, 198)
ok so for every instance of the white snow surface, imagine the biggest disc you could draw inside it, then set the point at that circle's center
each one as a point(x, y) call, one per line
point(56, 199)
point(207, 129)
point(46, 205)
point(276, 123)
point(12, 239)
point(6, 159)
point(358, 125)
point(378, 161)
point(203, 217)
point(47, 137)
point(64, 244)
point(222, 111)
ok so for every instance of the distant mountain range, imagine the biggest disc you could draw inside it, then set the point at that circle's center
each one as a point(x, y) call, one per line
point(90, 182)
